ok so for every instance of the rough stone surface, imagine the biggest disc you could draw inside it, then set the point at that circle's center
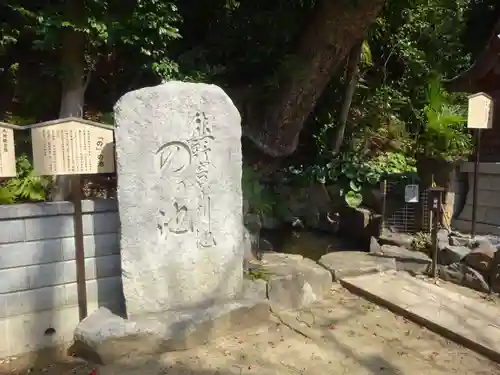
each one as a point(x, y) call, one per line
point(460, 273)
point(360, 224)
point(355, 263)
point(481, 256)
point(494, 274)
point(467, 321)
point(320, 210)
point(374, 245)
point(254, 289)
point(252, 222)
point(406, 260)
point(270, 222)
point(311, 204)
point(104, 337)
point(179, 192)
point(452, 254)
point(396, 239)
point(294, 281)
point(460, 241)
point(249, 255)
point(443, 238)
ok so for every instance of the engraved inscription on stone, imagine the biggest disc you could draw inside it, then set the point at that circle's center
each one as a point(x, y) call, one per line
point(179, 197)
point(72, 147)
point(7, 152)
point(200, 144)
point(205, 236)
point(173, 158)
point(179, 223)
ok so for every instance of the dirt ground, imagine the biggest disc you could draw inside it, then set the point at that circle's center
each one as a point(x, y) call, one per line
point(342, 335)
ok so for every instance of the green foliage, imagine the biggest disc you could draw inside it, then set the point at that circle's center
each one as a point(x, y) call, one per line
point(256, 198)
point(132, 44)
point(257, 272)
point(421, 242)
point(26, 187)
point(144, 29)
point(352, 172)
point(446, 136)
point(412, 41)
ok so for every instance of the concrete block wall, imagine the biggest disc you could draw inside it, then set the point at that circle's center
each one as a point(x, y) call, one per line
point(488, 200)
point(38, 298)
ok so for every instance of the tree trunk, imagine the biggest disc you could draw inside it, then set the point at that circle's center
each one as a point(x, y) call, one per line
point(351, 80)
point(73, 84)
point(334, 28)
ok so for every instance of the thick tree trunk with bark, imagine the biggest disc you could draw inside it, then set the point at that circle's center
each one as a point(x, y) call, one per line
point(351, 80)
point(334, 28)
point(74, 83)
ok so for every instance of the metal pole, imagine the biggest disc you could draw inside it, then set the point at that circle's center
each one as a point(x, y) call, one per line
point(474, 191)
point(81, 285)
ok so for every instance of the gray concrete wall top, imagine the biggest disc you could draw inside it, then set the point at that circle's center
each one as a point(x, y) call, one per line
point(27, 210)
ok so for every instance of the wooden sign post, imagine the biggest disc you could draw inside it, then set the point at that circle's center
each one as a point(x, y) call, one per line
point(480, 116)
point(7, 151)
point(435, 203)
point(73, 146)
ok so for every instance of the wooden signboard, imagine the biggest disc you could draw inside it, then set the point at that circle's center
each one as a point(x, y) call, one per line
point(7, 152)
point(72, 146)
point(480, 111)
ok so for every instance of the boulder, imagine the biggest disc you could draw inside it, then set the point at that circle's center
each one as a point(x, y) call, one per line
point(360, 224)
point(406, 260)
point(457, 239)
point(452, 254)
point(461, 274)
point(396, 239)
point(494, 274)
point(312, 204)
point(294, 281)
point(355, 263)
point(482, 255)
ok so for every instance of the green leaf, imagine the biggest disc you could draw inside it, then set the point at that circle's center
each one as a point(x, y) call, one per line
point(349, 171)
point(353, 199)
point(372, 178)
point(354, 187)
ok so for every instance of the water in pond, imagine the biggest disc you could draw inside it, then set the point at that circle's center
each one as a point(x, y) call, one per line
point(310, 244)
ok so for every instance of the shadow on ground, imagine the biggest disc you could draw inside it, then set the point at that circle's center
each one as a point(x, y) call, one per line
point(371, 365)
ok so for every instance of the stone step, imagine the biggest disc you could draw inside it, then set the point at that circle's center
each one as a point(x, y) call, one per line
point(467, 321)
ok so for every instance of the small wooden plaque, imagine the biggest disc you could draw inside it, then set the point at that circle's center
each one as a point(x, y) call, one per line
point(480, 111)
point(7, 151)
point(72, 146)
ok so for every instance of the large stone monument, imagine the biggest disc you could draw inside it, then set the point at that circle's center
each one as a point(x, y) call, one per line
point(179, 171)
point(179, 192)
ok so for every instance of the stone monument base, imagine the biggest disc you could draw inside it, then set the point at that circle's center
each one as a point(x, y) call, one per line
point(104, 337)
